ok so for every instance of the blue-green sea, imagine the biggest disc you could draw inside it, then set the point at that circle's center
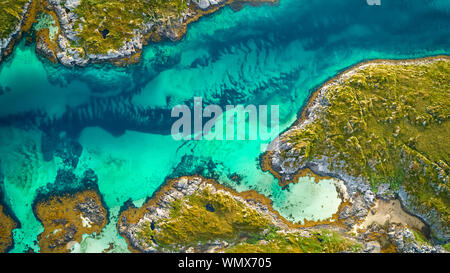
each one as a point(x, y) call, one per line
point(116, 120)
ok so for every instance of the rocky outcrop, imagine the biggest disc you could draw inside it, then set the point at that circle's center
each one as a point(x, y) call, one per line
point(194, 214)
point(91, 210)
point(66, 50)
point(205, 4)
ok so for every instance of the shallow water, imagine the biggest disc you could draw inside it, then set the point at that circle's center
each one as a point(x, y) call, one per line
point(260, 55)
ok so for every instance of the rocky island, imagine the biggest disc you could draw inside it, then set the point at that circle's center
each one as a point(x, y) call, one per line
point(67, 217)
point(382, 128)
point(194, 214)
point(80, 32)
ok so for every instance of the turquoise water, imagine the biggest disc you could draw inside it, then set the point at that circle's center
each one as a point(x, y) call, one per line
point(121, 116)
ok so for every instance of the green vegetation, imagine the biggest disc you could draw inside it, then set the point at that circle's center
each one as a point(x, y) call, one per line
point(246, 229)
point(120, 18)
point(321, 241)
point(447, 246)
point(10, 15)
point(388, 123)
point(191, 223)
point(7, 224)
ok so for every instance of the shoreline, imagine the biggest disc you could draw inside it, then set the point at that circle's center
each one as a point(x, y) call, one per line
point(305, 118)
point(311, 101)
point(53, 50)
point(131, 217)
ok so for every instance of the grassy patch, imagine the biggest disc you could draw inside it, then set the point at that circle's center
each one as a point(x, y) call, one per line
point(447, 246)
point(7, 224)
point(420, 238)
point(388, 123)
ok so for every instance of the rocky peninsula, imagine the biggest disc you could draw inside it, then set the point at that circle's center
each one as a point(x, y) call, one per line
point(86, 32)
point(7, 224)
point(67, 217)
point(8, 221)
point(194, 214)
point(382, 128)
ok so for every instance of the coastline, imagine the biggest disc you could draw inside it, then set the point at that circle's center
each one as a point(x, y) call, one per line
point(132, 220)
point(320, 169)
point(132, 214)
point(60, 51)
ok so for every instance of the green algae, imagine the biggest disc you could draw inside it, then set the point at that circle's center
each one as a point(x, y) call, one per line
point(388, 123)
